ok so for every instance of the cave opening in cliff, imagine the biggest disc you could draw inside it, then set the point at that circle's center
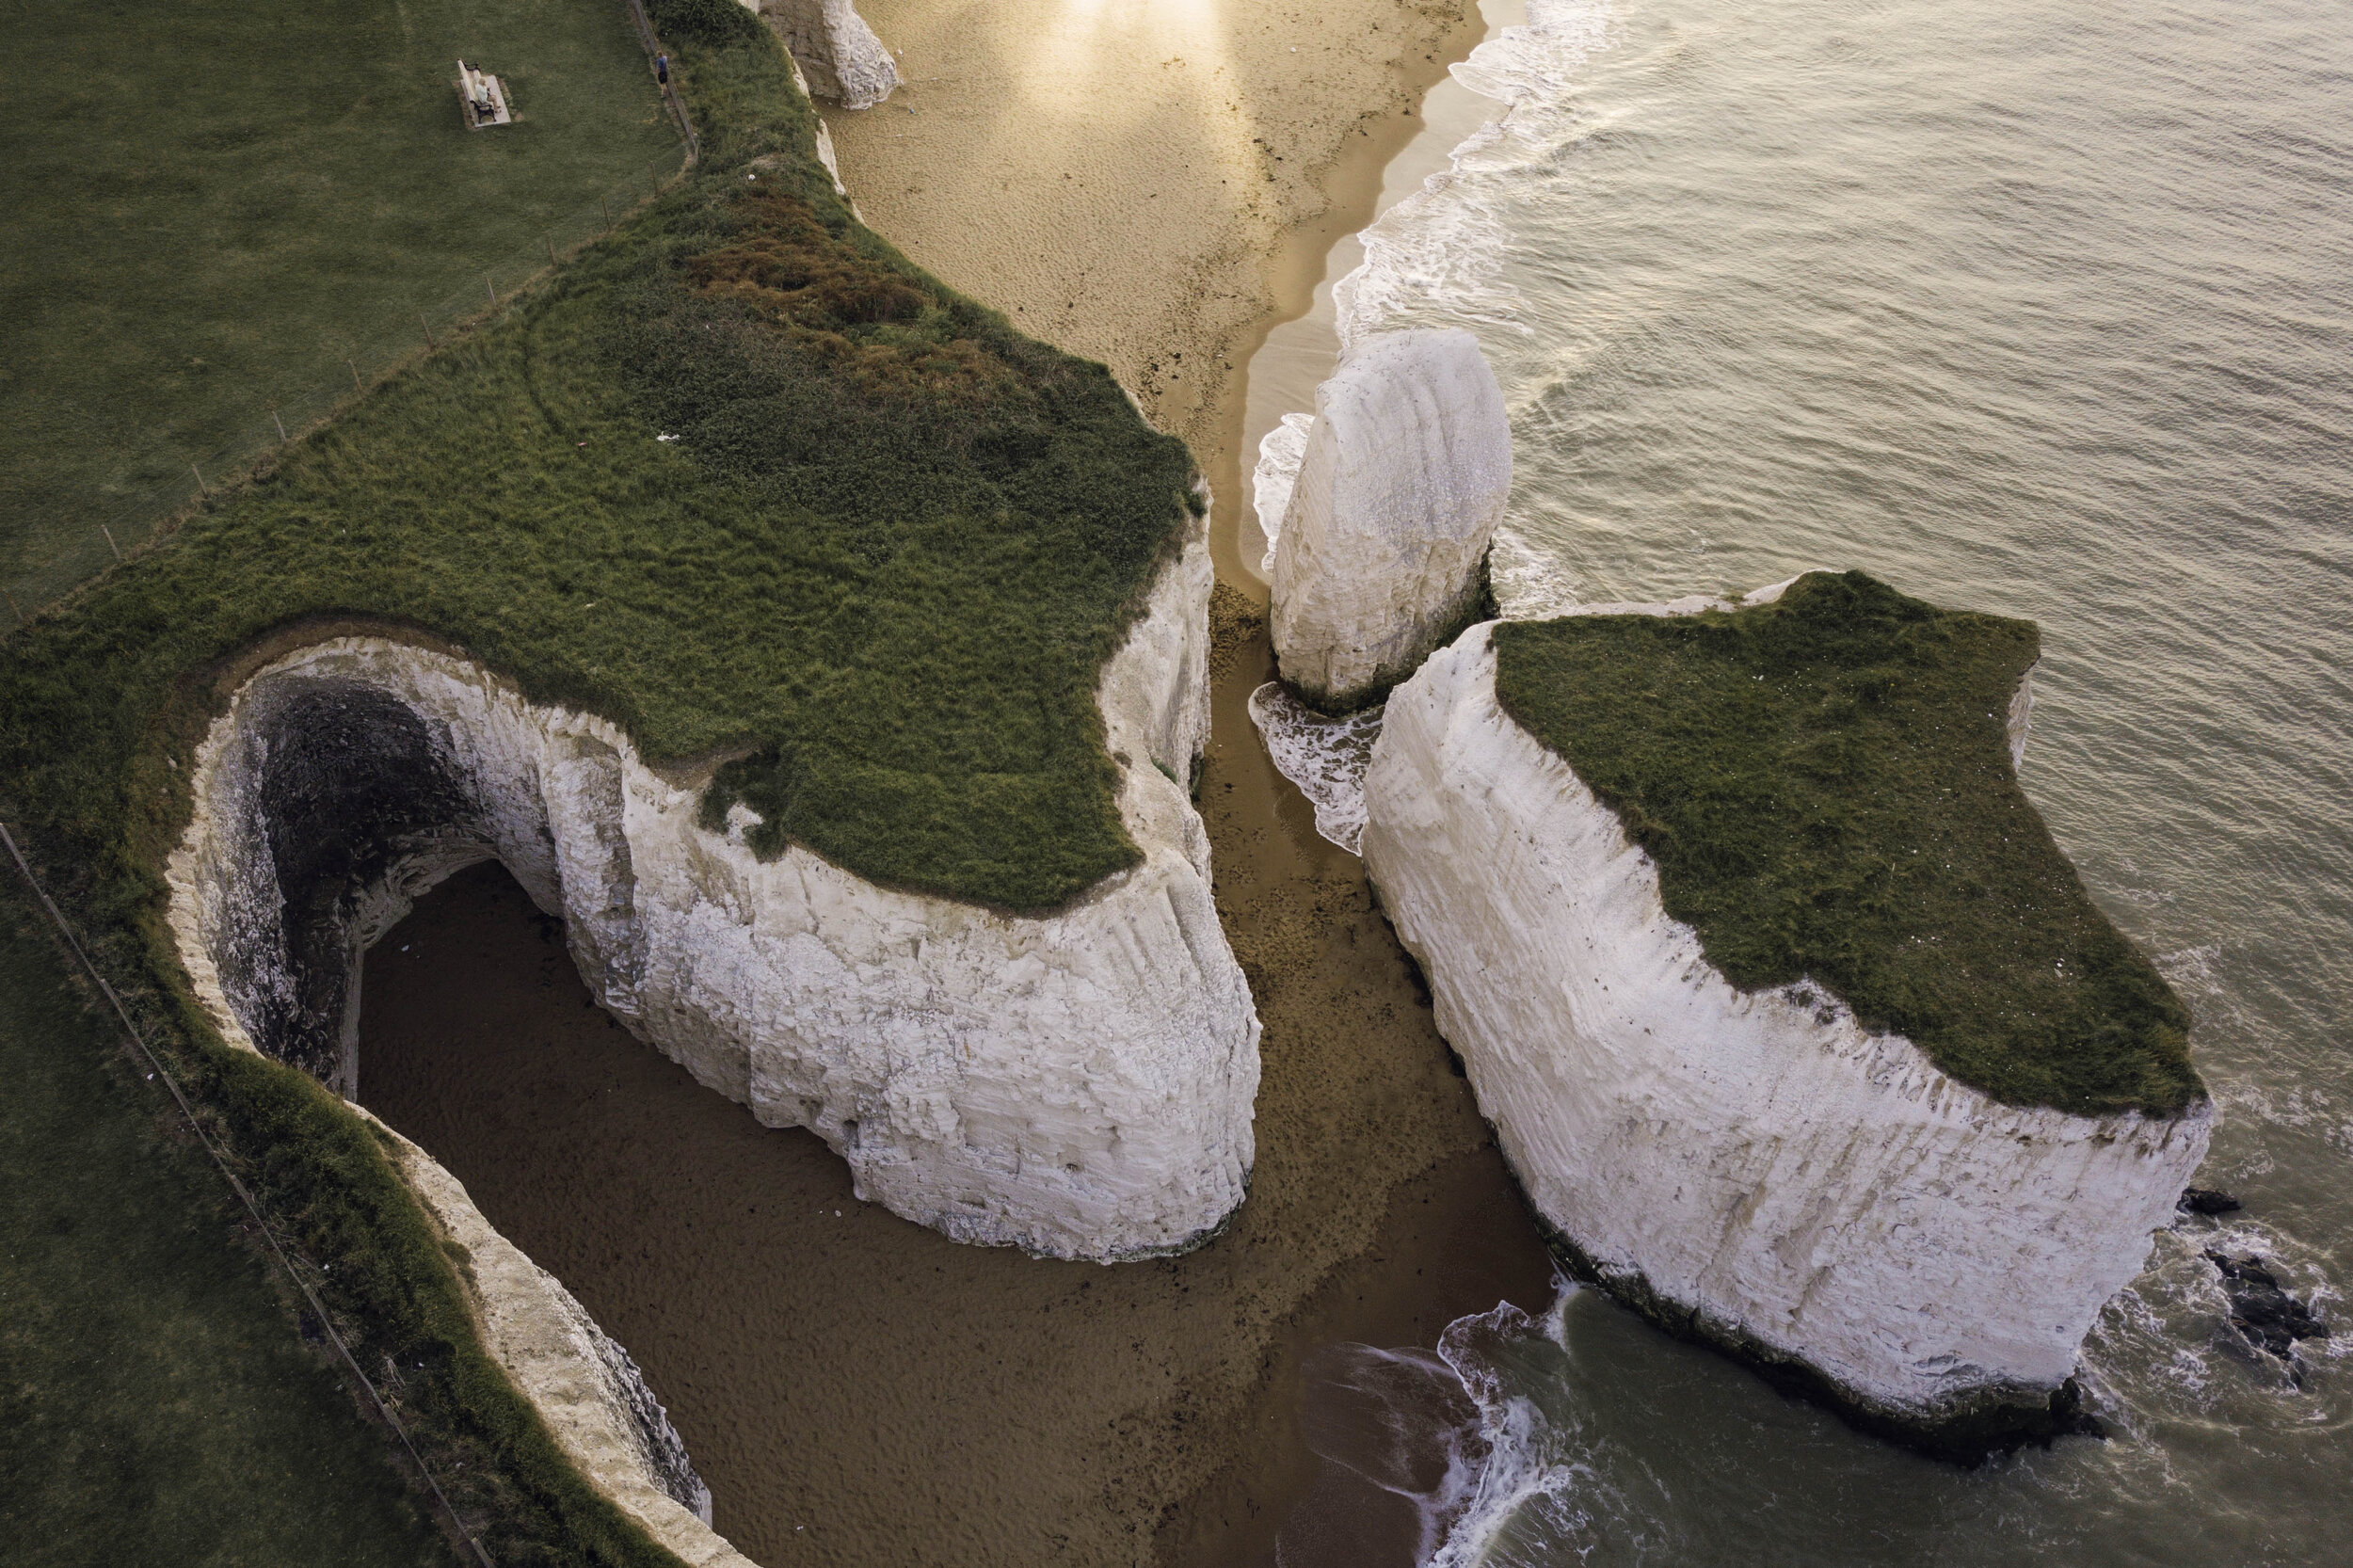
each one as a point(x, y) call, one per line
point(351, 807)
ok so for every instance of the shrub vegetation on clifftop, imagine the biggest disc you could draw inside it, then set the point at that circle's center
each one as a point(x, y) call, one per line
point(882, 559)
point(880, 566)
point(1826, 787)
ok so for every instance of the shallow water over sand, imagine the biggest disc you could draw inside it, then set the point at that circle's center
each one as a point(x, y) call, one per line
point(2043, 311)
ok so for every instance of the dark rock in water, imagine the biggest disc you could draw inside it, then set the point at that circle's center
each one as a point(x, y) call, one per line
point(2262, 1309)
point(2208, 1200)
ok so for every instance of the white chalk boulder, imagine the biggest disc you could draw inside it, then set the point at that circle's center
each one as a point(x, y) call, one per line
point(836, 50)
point(1755, 1169)
point(1380, 553)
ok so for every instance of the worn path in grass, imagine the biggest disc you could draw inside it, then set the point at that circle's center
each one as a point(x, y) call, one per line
point(211, 206)
point(154, 1406)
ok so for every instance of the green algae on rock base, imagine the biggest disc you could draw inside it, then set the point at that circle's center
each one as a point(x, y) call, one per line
point(1825, 784)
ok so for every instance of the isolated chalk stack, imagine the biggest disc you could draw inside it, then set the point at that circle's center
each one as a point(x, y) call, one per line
point(1916, 1234)
point(1383, 548)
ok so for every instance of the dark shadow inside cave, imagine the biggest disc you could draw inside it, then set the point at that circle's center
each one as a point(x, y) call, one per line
point(350, 785)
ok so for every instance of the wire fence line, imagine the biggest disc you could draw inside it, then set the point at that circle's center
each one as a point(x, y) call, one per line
point(220, 1162)
point(653, 45)
point(172, 477)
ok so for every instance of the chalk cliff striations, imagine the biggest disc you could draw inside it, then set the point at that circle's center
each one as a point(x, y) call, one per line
point(583, 1384)
point(1754, 1169)
point(832, 44)
point(1382, 550)
point(1079, 1083)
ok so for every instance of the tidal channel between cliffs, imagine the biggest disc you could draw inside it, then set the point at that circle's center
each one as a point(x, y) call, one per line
point(856, 1388)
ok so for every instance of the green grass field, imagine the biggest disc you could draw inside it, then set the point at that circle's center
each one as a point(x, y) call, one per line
point(879, 570)
point(155, 1404)
point(1825, 784)
point(883, 562)
point(213, 204)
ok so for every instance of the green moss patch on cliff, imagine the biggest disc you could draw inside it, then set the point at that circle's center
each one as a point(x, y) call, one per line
point(1825, 785)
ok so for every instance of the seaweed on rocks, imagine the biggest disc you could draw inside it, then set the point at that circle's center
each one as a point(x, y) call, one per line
point(2260, 1308)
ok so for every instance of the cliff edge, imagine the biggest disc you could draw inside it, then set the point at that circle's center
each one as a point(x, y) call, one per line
point(1754, 1166)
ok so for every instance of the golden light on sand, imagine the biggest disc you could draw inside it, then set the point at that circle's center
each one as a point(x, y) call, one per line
point(1112, 62)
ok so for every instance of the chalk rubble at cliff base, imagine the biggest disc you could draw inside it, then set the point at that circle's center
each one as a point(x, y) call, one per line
point(1755, 1169)
point(1380, 551)
point(836, 50)
point(1079, 1084)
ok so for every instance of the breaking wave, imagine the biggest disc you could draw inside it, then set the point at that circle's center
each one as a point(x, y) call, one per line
point(1326, 757)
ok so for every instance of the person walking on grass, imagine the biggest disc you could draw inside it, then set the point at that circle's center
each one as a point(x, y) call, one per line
point(662, 69)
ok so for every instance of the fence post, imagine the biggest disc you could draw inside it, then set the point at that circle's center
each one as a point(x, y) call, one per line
point(280, 422)
point(493, 288)
point(428, 328)
point(608, 213)
point(551, 241)
point(355, 373)
point(200, 482)
point(110, 539)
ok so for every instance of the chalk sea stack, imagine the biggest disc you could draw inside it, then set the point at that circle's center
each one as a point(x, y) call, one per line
point(1799, 1032)
point(1383, 547)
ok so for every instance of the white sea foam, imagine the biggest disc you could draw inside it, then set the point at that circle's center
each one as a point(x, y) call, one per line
point(1400, 1421)
point(1279, 456)
point(1435, 259)
point(1441, 247)
point(1548, 255)
point(1325, 757)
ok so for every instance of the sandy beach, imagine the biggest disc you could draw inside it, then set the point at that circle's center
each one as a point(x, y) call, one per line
point(859, 1390)
point(1151, 184)
point(1155, 187)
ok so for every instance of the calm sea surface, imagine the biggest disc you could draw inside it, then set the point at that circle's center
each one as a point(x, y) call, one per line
point(2040, 309)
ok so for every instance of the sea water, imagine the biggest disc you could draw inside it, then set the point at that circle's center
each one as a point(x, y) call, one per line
point(2040, 309)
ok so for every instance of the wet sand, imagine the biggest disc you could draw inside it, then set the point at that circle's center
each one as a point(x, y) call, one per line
point(857, 1389)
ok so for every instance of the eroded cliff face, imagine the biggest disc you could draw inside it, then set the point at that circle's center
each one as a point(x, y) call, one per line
point(1402, 477)
point(1755, 1169)
point(1079, 1084)
point(836, 50)
point(584, 1384)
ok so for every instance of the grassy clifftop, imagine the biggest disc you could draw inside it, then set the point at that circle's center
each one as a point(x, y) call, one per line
point(883, 558)
point(880, 566)
point(1825, 785)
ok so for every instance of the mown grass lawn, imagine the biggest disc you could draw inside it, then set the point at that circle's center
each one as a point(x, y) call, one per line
point(155, 1406)
point(212, 204)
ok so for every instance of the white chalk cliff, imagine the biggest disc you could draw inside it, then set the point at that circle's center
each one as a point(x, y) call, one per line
point(583, 1385)
point(1753, 1166)
point(836, 50)
point(1384, 534)
point(1079, 1083)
